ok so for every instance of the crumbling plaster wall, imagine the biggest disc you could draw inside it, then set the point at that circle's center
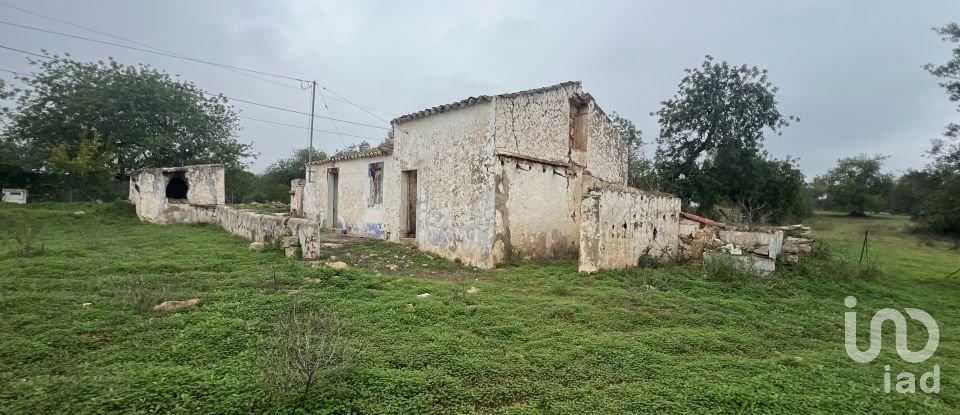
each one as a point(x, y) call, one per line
point(311, 193)
point(620, 224)
point(147, 190)
point(695, 237)
point(355, 212)
point(537, 209)
point(535, 124)
point(606, 151)
point(453, 154)
point(296, 197)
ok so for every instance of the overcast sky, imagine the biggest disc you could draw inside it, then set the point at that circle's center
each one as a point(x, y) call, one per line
point(850, 70)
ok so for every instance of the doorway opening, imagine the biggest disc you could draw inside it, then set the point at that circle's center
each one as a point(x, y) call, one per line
point(333, 179)
point(409, 201)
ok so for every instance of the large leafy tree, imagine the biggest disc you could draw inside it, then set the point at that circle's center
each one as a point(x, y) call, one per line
point(710, 147)
point(142, 116)
point(939, 211)
point(946, 150)
point(857, 184)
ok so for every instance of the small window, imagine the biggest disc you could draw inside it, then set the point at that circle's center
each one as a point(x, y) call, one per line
point(579, 111)
point(177, 187)
point(15, 193)
point(376, 183)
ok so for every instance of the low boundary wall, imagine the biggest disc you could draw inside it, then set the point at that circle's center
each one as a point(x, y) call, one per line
point(252, 226)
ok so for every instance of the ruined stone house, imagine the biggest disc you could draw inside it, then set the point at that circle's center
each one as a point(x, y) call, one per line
point(165, 195)
point(533, 174)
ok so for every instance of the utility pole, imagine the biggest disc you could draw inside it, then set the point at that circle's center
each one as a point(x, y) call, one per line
point(313, 101)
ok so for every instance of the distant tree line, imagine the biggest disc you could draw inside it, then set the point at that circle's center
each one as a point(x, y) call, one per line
point(709, 152)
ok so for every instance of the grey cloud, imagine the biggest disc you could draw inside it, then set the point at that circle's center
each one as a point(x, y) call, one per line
point(851, 71)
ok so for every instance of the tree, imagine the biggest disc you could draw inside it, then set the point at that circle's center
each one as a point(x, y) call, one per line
point(142, 116)
point(275, 180)
point(857, 184)
point(939, 211)
point(710, 147)
point(911, 191)
point(946, 150)
point(640, 172)
point(87, 170)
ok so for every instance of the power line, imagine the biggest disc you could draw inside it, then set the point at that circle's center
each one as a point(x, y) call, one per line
point(296, 112)
point(176, 56)
point(25, 52)
point(329, 113)
point(238, 99)
point(134, 42)
point(16, 73)
point(355, 105)
point(153, 52)
point(305, 128)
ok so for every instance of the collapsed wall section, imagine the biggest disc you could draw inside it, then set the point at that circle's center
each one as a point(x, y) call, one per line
point(619, 225)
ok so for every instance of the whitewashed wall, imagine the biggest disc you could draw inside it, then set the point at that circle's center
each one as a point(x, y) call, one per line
point(355, 213)
point(537, 208)
point(147, 190)
point(453, 154)
point(620, 224)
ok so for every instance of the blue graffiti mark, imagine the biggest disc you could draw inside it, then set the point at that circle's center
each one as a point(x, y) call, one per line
point(341, 226)
point(438, 238)
point(374, 229)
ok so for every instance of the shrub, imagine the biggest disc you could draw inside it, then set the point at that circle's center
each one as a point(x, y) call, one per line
point(723, 268)
point(307, 348)
point(139, 293)
point(27, 244)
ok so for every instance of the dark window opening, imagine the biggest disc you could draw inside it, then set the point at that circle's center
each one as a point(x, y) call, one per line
point(177, 187)
point(578, 124)
point(376, 184)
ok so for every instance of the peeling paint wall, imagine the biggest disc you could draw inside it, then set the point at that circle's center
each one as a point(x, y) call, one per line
point(606, 151)
point(148, 187)
point(536, 125)
point(453, 155)
point(311, 194)
point(537, 207)
point(355, 212)
point(296, 197)
point(621, 224)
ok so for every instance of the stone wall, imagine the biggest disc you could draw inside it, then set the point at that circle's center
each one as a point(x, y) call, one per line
point(620, 224)
point(695, 238)
point(255, 227)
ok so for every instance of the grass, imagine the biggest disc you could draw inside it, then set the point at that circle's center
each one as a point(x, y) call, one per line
point(537, 338)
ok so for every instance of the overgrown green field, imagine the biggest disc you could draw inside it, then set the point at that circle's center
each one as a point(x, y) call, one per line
point(536, 338)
